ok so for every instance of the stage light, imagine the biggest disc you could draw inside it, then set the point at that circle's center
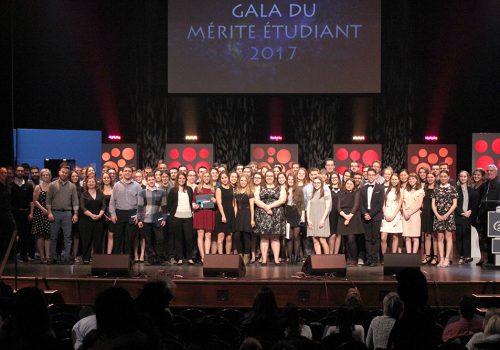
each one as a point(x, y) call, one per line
point(358, 138)
point(431, 138)
point(275, 138)
point(114, 137)
point(191, 138)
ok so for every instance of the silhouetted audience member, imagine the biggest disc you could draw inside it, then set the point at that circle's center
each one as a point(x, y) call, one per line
point(250, 343)
point(154, 301)
point(361, 316)
point(294, 327)
point(345, 330)
point(31, 327)
point(118, 325)
point(479, 336)
point(264, 322)
point(466, 325)
point(415, 329)
point(381, 326)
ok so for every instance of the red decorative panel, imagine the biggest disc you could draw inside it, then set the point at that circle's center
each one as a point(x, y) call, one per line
point(269, 154)
point(430, 154)
point(364, 154)
point(117, 155)
point(192, 156)
point(485, 150)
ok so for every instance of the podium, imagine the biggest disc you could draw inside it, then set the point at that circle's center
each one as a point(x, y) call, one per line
point(494, 234)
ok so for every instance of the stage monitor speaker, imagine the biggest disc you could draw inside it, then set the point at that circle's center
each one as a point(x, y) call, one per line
point(320, 265)
point(215, 265)
point(110, 265)
point(393, 263)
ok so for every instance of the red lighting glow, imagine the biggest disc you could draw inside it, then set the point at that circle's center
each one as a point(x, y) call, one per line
point(269, 154)
point(485, 149)
point(275, 138)
point(114, 137)
point(431, 138)
point(193, 156)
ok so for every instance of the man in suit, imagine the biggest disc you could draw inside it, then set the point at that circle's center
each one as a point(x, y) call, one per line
point(372, 203)
point(489, 202)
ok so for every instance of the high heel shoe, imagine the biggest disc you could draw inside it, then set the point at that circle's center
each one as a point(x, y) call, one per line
point(426, 260)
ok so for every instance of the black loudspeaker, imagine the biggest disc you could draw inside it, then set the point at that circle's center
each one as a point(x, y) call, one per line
point(320, 265)
point(393, 263)
point(223, 266)
point(110, 265)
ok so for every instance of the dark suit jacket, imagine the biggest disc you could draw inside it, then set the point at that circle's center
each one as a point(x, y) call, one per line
point(473, 203)
point(376, 204)
point(173, 197)
point(491, 193)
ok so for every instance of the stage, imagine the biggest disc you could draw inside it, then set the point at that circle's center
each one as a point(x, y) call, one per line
point(446, 285)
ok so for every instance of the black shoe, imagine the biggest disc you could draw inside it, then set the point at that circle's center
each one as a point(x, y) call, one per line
point(373, 264)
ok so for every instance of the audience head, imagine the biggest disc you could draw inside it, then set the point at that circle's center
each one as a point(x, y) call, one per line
point(393, 306)
point(30, 316)
point(412, 287)
point(250, 344)
point(265, 302)
point(493, 325)
point(492, 171)
point(468, 307)
point(115, 312)
point(155, 296)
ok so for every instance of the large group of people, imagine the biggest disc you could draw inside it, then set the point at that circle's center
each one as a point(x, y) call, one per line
point(175, 215)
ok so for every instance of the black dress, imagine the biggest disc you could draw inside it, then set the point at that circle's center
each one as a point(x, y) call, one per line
point(334, 213)
point(243, 216)
point(348, 202)
point(227, 198)
point(427, 213)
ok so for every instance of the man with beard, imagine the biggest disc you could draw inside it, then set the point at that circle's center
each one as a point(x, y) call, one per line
point(62, 200)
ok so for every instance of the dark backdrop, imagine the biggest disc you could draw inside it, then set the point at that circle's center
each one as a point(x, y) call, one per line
point(102, 65)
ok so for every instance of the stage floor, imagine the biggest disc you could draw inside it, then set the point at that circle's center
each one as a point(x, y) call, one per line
point(446, 285)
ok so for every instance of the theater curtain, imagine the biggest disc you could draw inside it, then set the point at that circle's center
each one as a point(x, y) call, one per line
point(231, 127)
point(150, 107)
point(394, 109)
point(314, 127)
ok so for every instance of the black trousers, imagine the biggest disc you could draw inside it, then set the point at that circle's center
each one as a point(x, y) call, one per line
point(26, 243)
point(124, 232)
point(372, 241)
point(463, 233)
point(169, 242)
point(155, 242)
point(242, 242)
point(91, 236)
point(183, 236)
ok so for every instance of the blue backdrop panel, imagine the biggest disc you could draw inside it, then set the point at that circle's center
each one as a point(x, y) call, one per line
point(33, 146)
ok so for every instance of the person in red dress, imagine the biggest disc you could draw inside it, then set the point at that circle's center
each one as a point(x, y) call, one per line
point(204, 218)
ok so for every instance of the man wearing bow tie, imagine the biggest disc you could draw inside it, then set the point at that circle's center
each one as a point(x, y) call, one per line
point(372, 202)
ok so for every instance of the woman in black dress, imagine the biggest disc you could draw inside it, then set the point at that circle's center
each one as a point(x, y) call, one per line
point(244, 222)
point(224, 218)
point(270, 216)
point(92, 207)
point(430, 236)
point(106, 187)
point(41, 225)
point(350, 223)
point(444, 204)
point(335, 239)
point(295, 214)
point(256, 182)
